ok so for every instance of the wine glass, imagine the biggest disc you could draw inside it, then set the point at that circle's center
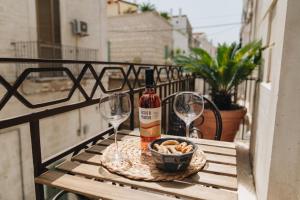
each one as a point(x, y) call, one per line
point(188, 106)
point(115, 108)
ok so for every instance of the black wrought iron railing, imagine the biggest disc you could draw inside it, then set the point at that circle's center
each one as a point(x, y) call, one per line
point(168, 80)
point(38, 49)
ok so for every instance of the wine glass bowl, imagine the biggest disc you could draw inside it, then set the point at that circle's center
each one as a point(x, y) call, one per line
point(188, 106)
point(115, 108)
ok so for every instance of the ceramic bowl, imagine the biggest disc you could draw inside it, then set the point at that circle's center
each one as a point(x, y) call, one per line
point(171, 162)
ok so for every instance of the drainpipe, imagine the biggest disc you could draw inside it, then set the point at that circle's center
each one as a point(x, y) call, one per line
point(79, 129)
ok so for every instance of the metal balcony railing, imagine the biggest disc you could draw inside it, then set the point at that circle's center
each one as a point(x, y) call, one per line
point(43, 50)
point(168, 79)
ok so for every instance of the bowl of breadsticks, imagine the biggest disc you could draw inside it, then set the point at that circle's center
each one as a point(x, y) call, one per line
point(172, 154)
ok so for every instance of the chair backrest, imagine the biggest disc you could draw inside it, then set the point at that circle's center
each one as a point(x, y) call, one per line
point(172, 125)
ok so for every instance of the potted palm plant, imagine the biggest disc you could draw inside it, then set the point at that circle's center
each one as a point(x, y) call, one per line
point(231, 65)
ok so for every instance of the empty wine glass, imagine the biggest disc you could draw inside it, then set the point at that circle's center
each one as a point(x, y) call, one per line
point(115, 108)
point(188, 106)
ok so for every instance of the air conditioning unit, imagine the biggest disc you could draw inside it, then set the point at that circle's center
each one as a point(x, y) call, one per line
point(79, 28)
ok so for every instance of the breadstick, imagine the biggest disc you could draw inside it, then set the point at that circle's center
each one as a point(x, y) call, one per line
point(169, 142)
point(180, 146)
point(187, 149)
point(156, 147)
point(164, 150)
point(172, 149)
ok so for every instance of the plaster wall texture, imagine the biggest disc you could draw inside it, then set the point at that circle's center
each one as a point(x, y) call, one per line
point(181, 41)
point(94, 13)
point(18, 23)
point(57, 133)
point(284, 180)
point(181, 23)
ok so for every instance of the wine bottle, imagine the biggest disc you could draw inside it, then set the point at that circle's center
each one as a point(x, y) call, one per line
point(149, 113)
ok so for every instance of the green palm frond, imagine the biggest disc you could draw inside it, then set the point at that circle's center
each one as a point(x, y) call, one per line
point(232, 64)
point(147, 7)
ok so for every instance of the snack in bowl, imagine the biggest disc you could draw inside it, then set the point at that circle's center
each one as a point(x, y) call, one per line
point(172, 154)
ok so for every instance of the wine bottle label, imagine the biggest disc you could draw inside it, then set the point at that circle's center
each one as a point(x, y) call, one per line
point(150, 121)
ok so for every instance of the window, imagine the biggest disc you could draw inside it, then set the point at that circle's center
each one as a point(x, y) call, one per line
point(166, 52)
point(49, 39)
point(48, 19)
point(270, 41)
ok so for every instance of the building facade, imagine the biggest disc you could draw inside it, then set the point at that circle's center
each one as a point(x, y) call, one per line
point(119, 7)
point(45, 29)
point(140, 37)
point(182, 33)
point(200, 40)
point(182, 24)
point(180, 42)
point(275, 139)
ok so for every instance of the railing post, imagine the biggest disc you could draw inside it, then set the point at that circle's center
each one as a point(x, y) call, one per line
point(36, 156)
point(194, 82)
point(131, 95)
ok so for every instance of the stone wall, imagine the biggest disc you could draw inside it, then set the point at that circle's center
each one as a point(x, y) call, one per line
point(116, 7)
point(139, 37)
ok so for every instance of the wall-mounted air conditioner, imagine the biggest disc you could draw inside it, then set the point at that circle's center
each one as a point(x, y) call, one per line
point(79, 28)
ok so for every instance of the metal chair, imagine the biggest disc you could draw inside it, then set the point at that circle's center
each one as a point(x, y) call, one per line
point(172, 125)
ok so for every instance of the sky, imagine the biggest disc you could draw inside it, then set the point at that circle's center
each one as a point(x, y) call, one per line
point(206, 13)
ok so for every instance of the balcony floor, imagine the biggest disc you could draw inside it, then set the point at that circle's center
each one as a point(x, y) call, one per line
point(246, 189)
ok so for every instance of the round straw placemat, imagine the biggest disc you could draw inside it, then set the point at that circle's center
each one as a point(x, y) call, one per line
point(142, 167)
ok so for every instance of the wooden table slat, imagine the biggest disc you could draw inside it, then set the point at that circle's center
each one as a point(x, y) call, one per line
point(198, 141)
point(96, 149)
point(94, 159)
point(220, 169)
point(230, 160)
point(218, 150)
point(216, 180)
point(94, 189)
point(220, 158)
point(205, 148)
point(209, 179)
point(183, 189)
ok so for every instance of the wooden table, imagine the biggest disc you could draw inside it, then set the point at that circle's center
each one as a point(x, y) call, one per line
point(84, 175)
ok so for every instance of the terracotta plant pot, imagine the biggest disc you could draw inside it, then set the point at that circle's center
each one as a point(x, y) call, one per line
point(231, 120)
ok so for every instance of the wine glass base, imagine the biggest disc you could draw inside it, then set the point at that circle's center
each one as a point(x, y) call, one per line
point(194, 135)
point(115, 158)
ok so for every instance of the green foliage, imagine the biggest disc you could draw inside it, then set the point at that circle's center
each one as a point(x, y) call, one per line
point(232, 64)
point(165, 15)
point(147, 7)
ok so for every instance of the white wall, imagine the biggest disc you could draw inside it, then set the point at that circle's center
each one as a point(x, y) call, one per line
point(275, 139)
point(180, 41)
point(284, 180)
point(94, 13)
point(17, 23)
point(264, 117)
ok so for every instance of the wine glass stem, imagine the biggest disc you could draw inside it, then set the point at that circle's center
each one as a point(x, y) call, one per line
point(116, 133)
point(187, 131)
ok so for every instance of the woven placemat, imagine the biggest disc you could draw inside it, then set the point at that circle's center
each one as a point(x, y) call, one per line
point(142, 167)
